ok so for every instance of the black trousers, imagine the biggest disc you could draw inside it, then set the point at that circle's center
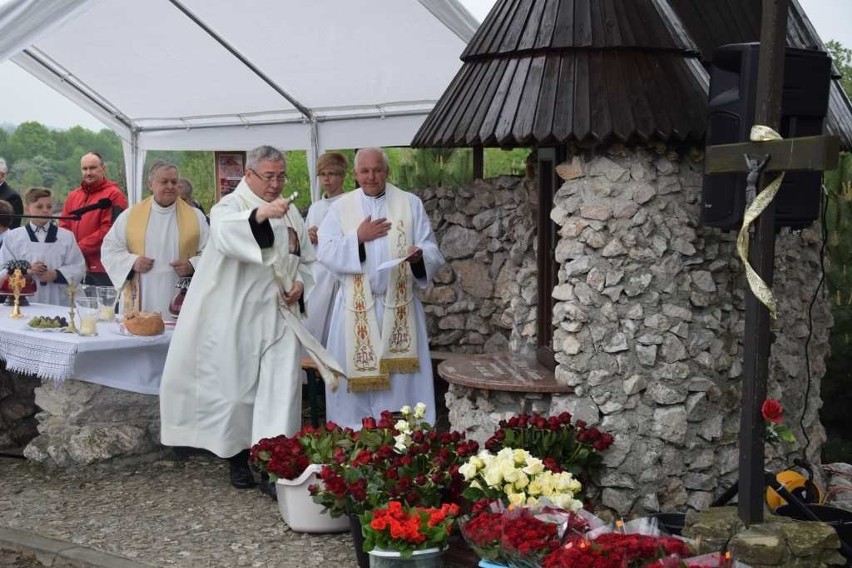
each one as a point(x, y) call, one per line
point(97, 279)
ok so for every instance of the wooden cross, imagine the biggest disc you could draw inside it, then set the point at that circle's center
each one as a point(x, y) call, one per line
point(811, 153)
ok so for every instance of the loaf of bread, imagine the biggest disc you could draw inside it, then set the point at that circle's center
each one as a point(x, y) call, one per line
point(144, 323)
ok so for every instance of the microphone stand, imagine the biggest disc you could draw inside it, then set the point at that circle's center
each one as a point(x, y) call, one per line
point(57, 218)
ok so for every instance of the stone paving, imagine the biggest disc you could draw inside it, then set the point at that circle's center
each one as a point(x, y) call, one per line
point(169, 512)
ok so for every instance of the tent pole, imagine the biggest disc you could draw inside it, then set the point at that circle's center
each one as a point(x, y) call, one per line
point(243, 59)
point(313, 155)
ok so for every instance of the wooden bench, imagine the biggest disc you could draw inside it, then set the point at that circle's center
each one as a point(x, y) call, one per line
point(315, 384)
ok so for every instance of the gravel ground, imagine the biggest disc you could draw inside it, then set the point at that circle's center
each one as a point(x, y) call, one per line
point(13, 559)
point(166, 513)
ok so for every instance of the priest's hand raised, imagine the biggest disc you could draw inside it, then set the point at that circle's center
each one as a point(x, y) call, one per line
point(143, 264)
point(370, 230)
point(275, 209)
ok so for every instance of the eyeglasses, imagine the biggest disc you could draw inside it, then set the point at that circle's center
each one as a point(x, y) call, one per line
point(330, 174)
point(281, 178)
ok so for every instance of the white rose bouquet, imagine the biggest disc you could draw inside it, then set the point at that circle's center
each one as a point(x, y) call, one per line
point(516, 477)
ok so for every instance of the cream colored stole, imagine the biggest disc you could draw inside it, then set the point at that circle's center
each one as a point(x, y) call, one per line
point(189, 234)
point(370, 356)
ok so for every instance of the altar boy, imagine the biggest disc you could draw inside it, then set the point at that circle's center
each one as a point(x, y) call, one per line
point(53, 254)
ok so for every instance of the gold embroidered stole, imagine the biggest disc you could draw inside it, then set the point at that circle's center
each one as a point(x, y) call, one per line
point(371, 356)
point(189, 234)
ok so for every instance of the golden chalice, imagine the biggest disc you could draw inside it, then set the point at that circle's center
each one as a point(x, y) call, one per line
point(17, 283)
point(71, 290)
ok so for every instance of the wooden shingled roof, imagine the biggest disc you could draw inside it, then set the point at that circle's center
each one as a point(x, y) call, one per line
point(720, 22)
point(546, 72)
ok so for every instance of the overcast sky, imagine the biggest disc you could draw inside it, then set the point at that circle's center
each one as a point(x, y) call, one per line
point(22, 97)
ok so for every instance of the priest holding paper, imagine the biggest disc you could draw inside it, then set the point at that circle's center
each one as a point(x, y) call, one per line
point(379, 241)
point(153, 244)
point(232, 374)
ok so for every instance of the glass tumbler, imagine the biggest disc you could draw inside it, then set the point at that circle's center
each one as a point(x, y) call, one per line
point(107, 296)
point(88, 309)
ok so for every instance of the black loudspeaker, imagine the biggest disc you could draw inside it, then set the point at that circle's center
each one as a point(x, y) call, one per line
point(804, 103)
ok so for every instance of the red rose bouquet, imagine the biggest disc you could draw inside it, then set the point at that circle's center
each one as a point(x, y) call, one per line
point(394, 459)
point(519, 537)
point(559, 443)
point(404, 529)
point(288, 457)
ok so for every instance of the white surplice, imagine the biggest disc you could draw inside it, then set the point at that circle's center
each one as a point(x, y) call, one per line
point(162, 243)
point(339, 253)
point(321, 300)
point(232, 374)
point(63, 255)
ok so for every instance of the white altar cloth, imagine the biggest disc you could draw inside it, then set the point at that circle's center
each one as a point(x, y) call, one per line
point(123, 362)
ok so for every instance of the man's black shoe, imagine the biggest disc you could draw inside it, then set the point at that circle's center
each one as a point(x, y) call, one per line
point(268, 487)
point(241, 476)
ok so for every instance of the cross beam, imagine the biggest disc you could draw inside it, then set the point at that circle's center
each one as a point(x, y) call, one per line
point(806, 153)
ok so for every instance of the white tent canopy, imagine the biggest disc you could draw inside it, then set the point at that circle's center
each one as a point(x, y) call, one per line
point(221, 75)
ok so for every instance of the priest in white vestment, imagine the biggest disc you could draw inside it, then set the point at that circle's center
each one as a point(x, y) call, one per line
point(154, 244)
point(331, 170)
point(54, 256)
point(232, 374)
point(378, 327)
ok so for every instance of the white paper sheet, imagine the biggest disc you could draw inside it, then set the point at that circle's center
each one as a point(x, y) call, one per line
point(390, 264)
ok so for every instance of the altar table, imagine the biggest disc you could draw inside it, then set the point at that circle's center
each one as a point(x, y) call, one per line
point(125, 362)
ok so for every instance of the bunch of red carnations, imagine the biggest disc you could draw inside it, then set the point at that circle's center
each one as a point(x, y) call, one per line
point(404, 529)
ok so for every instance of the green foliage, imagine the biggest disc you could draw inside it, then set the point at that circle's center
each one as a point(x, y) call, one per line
point(838, 225)
point(430, 167)
point(298, 179)
point(38, 156)
point(449, 167)
point(500, 162)
point(843, 61)
point(31, 139)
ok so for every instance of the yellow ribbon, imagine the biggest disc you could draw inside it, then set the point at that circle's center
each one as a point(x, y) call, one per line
point(758, 287)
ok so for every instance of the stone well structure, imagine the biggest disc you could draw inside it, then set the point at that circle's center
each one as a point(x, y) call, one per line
point(649, 319)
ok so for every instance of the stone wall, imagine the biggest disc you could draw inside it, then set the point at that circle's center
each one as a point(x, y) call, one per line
point(17, 408)
point(780, 541)
point(484, 299)
point(650, 315)
point(82, 423)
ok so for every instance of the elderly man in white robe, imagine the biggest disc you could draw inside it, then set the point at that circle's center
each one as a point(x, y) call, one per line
point(54, 257)
point(154, 244)
point(232, 374)
point(379, 241)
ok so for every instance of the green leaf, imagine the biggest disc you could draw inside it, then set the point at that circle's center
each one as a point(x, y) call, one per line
point(785, 434)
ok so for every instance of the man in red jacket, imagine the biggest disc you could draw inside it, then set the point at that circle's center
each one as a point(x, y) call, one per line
point(95, 224)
